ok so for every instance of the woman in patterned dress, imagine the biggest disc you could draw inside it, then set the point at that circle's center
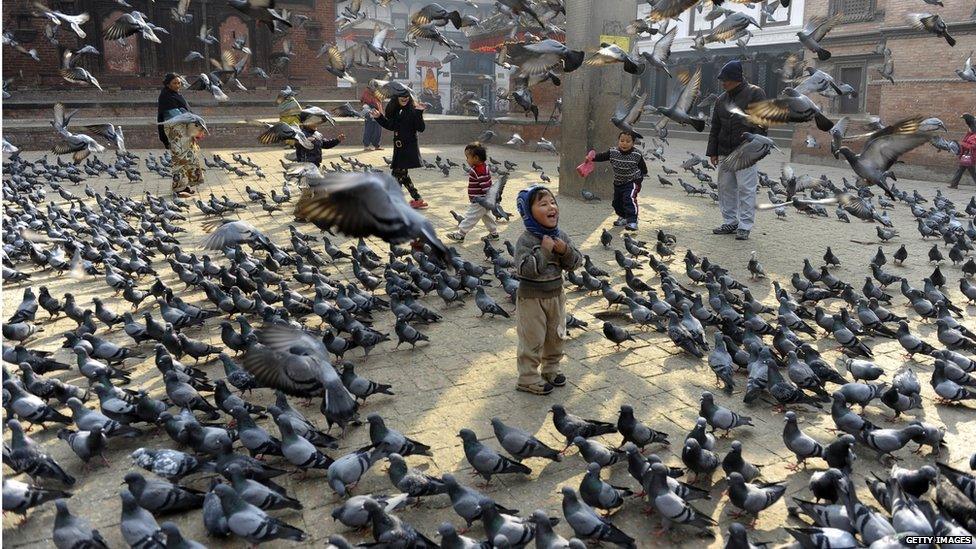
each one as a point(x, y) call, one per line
point(180, 139)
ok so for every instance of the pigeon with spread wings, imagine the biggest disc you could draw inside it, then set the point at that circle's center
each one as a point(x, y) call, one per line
point(133, 23)
point(112, 133)
point(678, 111)
point(366, 204)
point(297, 363)
point(813, 32)
point(628, 111)
point(793, 106)
point(541, 57)
point(752, 150)
point(882, 149)
point(669, 9)
point(658, 57)
point(79, 144)
point(339, 61)
point(609, 54)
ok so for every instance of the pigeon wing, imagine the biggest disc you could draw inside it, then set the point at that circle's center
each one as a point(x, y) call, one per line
point(358, 204)
point(823, 28)
point(885, 146)
point(690, 91)
point(662, 49)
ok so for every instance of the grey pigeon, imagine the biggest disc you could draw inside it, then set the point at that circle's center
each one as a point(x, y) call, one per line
point(586, 524)
point(521, 444)
point(175, 539)
point(572, 426)
point(72, 532)
point(753, 498)
point(720, 417)
point(160, 496)
point(345, 472)
point(599, 494)
point(250, 523)
point(487, 462)
point(413, 482)
point(18, 496)
point(593, 451)
point(467, 502)
point(671, 508)
point(636, 432)
point(733, 462)
point(139, 527)
point(263, 496)
point(352, 512)
point(392, 441)
point(802, 446)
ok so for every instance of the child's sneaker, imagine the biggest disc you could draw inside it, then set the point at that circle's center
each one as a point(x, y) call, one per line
point(536, 388)
point(458, 236)
point(620, 222)
point(631, 226)
point(418, 204)
point(491, 236)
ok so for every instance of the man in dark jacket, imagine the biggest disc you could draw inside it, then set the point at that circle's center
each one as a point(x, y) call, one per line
point(736, 190)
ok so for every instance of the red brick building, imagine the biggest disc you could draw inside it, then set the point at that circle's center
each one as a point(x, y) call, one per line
point(135, 63)
point(925, 82)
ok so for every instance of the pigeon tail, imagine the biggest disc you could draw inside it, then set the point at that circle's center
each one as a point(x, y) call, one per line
point(698, 124)
point(823, 54)
point(572, 61)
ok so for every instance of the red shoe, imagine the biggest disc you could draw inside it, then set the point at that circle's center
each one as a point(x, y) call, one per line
point(418, 204)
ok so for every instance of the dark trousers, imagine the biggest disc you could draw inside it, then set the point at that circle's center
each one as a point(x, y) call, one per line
point(961, 170)
point(625, 200)
point(403, 178)
point(371, 133)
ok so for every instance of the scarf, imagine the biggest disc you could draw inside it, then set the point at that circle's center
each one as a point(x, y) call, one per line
point(524, 205)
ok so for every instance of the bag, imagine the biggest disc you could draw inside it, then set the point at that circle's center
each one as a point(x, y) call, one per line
point(586, 168)
point(967, 159)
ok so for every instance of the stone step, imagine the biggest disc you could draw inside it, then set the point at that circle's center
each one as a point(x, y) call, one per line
point(783, 137)
point(234, 131)
point(250, 103)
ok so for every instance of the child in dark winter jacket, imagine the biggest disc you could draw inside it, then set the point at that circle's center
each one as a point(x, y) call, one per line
point(319, 142)
point(629, 170)
point(479, 185)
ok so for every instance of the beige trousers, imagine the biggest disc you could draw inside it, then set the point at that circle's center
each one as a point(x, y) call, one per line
point(475, 214)
point(541, 327)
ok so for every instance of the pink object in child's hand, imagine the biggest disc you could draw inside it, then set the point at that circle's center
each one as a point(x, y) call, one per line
point(585, 168)
point(591, 155)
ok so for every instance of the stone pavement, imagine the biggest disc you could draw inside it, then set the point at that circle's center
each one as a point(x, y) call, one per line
point(466, 374)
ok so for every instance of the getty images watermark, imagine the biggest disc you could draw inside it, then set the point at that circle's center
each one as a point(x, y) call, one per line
point(939, 540)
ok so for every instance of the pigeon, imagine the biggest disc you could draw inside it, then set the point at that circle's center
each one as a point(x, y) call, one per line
point(814, 32)
point(932, 23)
point(679, 109)
point(633, 431)
point(803, 446)
point(392, 441)
point(18, 496)
point(378, 199)
point(353, 514)
point(719, 417)
point(251, 523)
point(74, 531)
point(139, 527)
point(586, 524)
point(485, 461)
point(597, 493)
point(572, 426)
point(671, 508)
point(162, 497)
point(753, 498)
point(521, 444)
point(167, 463)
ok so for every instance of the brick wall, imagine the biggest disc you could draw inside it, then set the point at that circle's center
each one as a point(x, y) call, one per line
point(925, 79)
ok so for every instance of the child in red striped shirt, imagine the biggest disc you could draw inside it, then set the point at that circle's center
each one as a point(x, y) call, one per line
point(479, 183)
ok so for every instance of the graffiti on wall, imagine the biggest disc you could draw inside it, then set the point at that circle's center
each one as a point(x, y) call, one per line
point(121, 56)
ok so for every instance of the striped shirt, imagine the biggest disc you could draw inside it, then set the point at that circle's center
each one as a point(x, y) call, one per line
point(627, 166)
point(479, 181)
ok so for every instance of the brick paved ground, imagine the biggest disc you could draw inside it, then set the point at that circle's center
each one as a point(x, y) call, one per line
point(466, 374)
